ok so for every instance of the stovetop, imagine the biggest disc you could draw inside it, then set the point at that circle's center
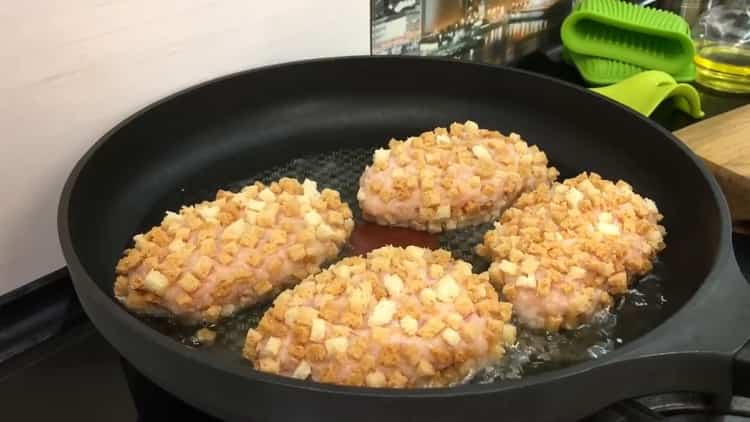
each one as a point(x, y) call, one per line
point(675, 407)
point(77, 375)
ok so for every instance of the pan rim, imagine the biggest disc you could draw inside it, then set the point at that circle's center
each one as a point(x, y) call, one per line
point(167, 344)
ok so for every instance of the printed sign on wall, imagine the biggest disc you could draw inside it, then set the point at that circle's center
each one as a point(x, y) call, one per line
point(490, 31)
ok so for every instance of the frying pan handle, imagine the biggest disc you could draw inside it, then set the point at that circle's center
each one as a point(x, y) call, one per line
point(715, 322)
point(704, 347)
point(741, 361)
point(741, 372)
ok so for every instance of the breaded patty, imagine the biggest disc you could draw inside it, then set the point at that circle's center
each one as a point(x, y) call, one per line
point(396, 318)
point(217, 257)
point(561, 253)
point(447, 179)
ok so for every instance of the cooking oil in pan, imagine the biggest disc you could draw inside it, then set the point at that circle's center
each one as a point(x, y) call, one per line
point(539, 351)
point(636, 312)
point(535, 352)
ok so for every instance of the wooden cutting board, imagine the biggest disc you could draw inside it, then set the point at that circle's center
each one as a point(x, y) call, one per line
point(723, 142)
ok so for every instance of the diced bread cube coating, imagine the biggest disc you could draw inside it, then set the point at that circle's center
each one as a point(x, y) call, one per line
point(354, 324)
point(450, 178)
point(214, 258)
point(562, 252)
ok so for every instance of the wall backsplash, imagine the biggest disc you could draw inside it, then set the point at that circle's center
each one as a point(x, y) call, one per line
point(72, 70)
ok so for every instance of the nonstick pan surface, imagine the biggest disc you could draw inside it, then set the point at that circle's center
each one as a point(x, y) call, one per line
point(255, 123)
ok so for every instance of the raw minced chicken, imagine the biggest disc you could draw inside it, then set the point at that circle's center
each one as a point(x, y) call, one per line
point(450, 178)
point(399, 317)
point(563, 251)
point(216, 257)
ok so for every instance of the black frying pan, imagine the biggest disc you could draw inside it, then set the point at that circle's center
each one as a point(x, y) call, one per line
point(188, 145)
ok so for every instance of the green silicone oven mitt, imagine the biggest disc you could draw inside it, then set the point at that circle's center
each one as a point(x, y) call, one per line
point(628, 33)
point(646, 90)
point(600, 71)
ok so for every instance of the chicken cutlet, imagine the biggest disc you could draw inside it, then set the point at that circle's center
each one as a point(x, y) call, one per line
point(562, 252)
point(214, 258)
